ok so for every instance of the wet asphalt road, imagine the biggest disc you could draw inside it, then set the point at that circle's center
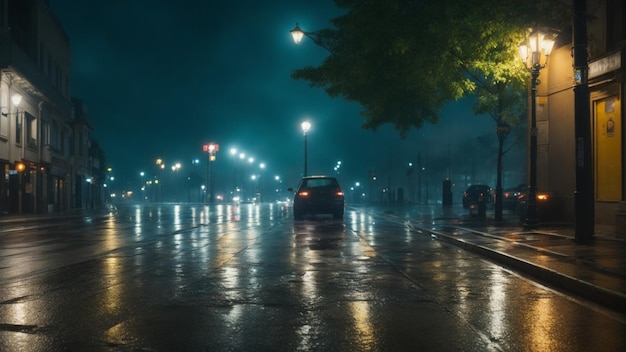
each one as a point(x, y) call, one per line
point(249, 278)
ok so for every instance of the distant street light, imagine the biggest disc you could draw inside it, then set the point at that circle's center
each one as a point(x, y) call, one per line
point(211, 149)
point(337, 168)
point(306, 126)
point(530, 52)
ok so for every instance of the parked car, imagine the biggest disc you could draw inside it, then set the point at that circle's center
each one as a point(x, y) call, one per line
point(543, 201)
point(477, 195)
point(510, 196)
point(318, 195)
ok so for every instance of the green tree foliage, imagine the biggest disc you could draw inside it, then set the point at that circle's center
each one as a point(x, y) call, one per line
point(402, 60)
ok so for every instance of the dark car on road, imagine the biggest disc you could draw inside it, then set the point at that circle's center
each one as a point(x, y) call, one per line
point(544, 204)
point(477, 195)
point(510, 196)
point(318, 195)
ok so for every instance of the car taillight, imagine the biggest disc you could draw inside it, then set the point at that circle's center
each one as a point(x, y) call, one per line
point(303, 194)
point(339, 194)
point(542, 196)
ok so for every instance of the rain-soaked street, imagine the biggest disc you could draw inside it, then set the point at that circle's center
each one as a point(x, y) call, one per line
point(249, 277)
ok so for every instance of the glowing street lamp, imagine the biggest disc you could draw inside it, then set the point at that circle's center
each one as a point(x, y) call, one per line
point(531, 54)
point(16, 99)
point(317, 37)
point(297, 33)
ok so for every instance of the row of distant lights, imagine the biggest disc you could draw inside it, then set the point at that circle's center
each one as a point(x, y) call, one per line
point(177, 166)
point(242, 156)
point(306, 126)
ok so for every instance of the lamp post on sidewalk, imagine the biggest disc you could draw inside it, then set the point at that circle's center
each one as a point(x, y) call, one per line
point(530, 52)
point(584, 196)
point(211, 149)
point(19, 138)
point(306, 126)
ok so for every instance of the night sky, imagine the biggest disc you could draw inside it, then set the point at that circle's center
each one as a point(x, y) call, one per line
point(161, 78)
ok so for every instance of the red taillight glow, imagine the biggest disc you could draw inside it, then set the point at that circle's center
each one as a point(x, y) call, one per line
point(303, 194)
point(340, 194)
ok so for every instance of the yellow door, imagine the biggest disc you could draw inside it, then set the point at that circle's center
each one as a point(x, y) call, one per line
point(608, 149)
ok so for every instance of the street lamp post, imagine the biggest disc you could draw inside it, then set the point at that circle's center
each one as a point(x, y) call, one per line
point(584, 194)
point(211, 149)
point(242, 186)
point(175, 168)
point(160, 166)
point(409, 175)
point(233, 154)
point(250, 169)
point(306, 126)
point(261, 183)
point(19, 131)
point(142, 189)
point(278, 182)
point(530, 52)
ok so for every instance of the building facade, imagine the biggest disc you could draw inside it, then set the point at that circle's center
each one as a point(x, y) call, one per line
point(556, 157)
point(37, 125)
point(87, 157)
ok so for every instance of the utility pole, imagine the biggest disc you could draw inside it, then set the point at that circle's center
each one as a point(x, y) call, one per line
point(584, 216)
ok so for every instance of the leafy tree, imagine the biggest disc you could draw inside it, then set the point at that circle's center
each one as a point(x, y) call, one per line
point(403, 60)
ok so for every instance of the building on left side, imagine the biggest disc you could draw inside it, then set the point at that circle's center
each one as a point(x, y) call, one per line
point(43, 165)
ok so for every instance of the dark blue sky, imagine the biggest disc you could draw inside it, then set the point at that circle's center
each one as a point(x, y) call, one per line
point(161, 78)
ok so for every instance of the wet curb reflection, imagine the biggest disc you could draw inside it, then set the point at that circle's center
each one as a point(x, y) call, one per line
point(595, 293)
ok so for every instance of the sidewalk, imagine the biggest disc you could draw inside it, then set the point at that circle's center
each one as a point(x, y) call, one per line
point(549, 253)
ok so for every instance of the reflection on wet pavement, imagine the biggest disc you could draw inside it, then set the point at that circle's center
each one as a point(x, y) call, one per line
point(249, 277)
